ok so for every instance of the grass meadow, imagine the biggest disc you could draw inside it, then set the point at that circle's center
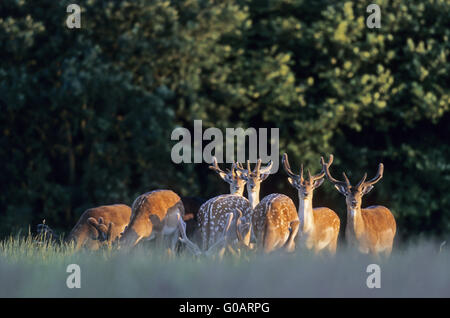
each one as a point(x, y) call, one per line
point(29, 269)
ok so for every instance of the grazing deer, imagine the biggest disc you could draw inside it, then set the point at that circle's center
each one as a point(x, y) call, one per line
point(222, 233)
point(100, 225)
point(275, 223)
point(254, 179)
point(95, 228)
point(154, 215)
point(232, 177)
point(371, 229)
point(319, 227)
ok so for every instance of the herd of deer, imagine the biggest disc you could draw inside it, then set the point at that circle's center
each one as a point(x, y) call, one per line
point(231, 222)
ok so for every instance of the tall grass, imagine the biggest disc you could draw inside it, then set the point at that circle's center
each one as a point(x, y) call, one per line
point(31, 269)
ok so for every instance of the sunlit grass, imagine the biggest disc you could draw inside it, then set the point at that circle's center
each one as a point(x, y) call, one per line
point(32, 269)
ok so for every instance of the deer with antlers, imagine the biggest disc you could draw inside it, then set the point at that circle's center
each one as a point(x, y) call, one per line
point(319, 227)
point(371, 229)
point(232, 177)
point(254, 178)
point(274, 220)
point(218, 218)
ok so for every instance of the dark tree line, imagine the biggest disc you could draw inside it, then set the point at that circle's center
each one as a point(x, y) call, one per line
point(86, 114)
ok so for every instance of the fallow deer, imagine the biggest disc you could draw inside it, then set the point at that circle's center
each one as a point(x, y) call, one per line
point(254, 179)
point(95, 228)
point(319, 228)
point(371, 229)
point(222, 233)
point(275, 223)
point(213, 214)
point(154, 214)
point(232, 177)
point(100, 225)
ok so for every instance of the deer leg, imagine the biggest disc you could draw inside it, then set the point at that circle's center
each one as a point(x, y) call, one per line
point(290, 244)
point(332, 247)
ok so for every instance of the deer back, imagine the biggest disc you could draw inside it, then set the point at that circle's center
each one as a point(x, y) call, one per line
point(213, 213)
point(148, 214)
point(84, 233)
point(324, 219)
point(379, 225)
point(272, 217)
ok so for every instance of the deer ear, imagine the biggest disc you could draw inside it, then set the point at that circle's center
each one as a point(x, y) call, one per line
point(341, 189)
point(318, 183)
point(367, 189)
point(225, 177)
point(292, 182)
point(264, 176)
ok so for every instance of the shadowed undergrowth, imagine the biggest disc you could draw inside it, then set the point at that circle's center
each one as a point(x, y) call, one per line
point(29, 269)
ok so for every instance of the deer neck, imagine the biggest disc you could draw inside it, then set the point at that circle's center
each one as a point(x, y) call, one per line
point(253, 197)
point(305, 214)
point(355, 224)
point(239, 191)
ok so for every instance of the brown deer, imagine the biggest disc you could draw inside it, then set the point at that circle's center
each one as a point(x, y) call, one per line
point(100, 225)
point(371, 229)
point(275, 223)
point(154, 214)
point(319, 227)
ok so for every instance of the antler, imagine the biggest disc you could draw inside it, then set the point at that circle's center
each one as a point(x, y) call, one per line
point(325, 168)
point(363, 183)
point(258, 171)
point(215, 166)
point(228, 175)
point(299, 177)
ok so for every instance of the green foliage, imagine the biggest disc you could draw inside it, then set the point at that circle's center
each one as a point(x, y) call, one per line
point(86, 114)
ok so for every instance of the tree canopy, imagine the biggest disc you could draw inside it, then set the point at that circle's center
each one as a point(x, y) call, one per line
point(87, 114)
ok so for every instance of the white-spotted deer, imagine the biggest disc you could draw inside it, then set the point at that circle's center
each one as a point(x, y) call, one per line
point(97, 226)
point(154, 214)
point(371, 229)
point(232, 177)
point(274, 220)
point(319, 228)
point(214, 212)
point(221, 232)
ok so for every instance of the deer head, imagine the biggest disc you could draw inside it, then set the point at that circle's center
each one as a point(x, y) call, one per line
point(305, 187)
point(254, 178)
point(232, 177)
point(194, 249)
point(101, 231)
point(353, 194)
